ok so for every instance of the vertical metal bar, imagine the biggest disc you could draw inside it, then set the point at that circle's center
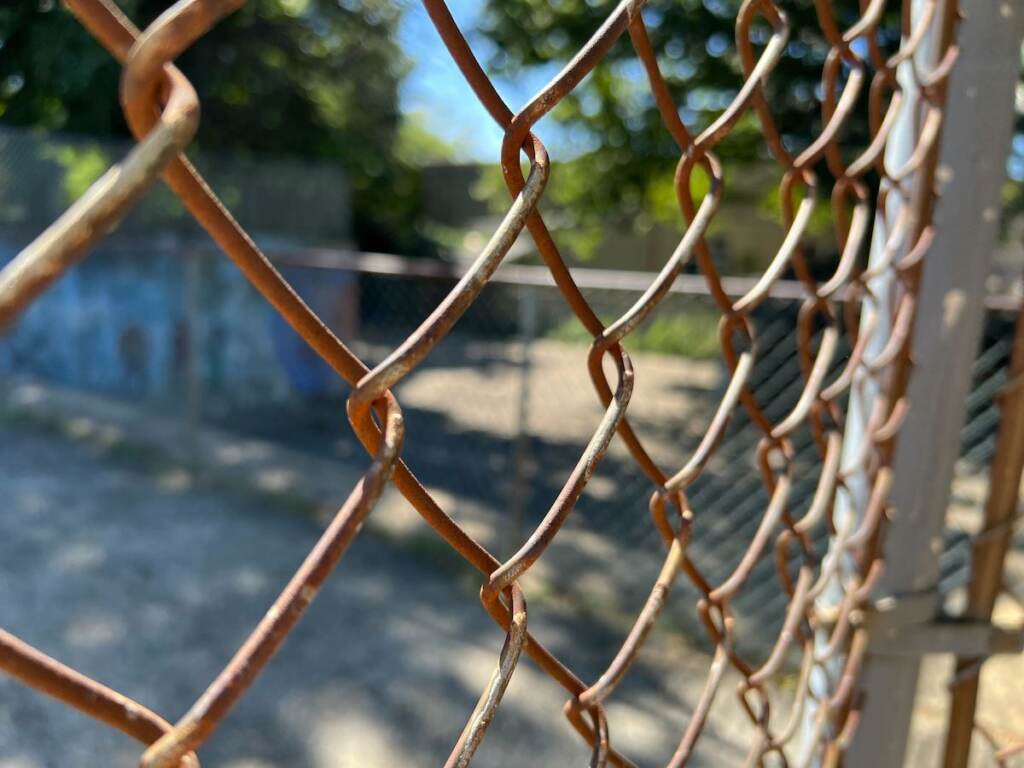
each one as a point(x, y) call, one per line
point(522, 470)
point(990, 547)
point(193, 371)
point(950, 312)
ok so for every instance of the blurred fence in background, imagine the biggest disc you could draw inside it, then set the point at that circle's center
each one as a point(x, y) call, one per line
point(498, 411)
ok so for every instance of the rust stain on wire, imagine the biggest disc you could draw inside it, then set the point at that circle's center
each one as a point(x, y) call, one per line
point(162, 110)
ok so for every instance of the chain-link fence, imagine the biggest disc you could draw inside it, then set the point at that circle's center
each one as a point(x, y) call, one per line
point(503, 396)
point(788, 420)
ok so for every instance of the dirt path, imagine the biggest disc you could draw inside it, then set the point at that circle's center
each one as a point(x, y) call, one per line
point(149, 585)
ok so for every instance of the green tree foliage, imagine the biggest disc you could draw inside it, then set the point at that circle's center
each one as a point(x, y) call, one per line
point(628, 157)
point(306, 78)
point(1013, 190)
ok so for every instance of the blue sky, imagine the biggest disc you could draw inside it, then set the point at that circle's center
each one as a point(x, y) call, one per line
point(435, 87)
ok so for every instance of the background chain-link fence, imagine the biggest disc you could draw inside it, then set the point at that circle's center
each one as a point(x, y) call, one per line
point(799, 406)
point(503, 396)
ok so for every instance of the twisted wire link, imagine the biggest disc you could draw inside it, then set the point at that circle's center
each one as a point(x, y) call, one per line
point(162, 111)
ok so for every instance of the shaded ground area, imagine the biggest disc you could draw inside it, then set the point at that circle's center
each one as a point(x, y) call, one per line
point(469, 440)
point(131, 553)
point(149, 585)
point(496, 437)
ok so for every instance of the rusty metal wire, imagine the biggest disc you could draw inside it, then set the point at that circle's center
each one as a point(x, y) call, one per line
point(1001, 755)
point(989, 550)
point(162, 111)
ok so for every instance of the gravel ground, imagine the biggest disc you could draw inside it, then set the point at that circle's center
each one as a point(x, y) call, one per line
point(132, 573)
point(149, 585)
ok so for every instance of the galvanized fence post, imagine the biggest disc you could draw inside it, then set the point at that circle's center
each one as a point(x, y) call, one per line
point(989, 551)
point(193, 374)
point(522, 460)
point(970, 172)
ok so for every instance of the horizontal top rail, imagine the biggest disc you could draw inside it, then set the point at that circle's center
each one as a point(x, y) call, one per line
point(392, 265)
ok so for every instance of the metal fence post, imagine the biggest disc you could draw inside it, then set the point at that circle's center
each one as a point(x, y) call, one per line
point(522, 470)
point(193, 375)
point(975, 141)
point(990, 548)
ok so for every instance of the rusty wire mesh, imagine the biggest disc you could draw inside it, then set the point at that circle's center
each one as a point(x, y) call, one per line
point(162, 111)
